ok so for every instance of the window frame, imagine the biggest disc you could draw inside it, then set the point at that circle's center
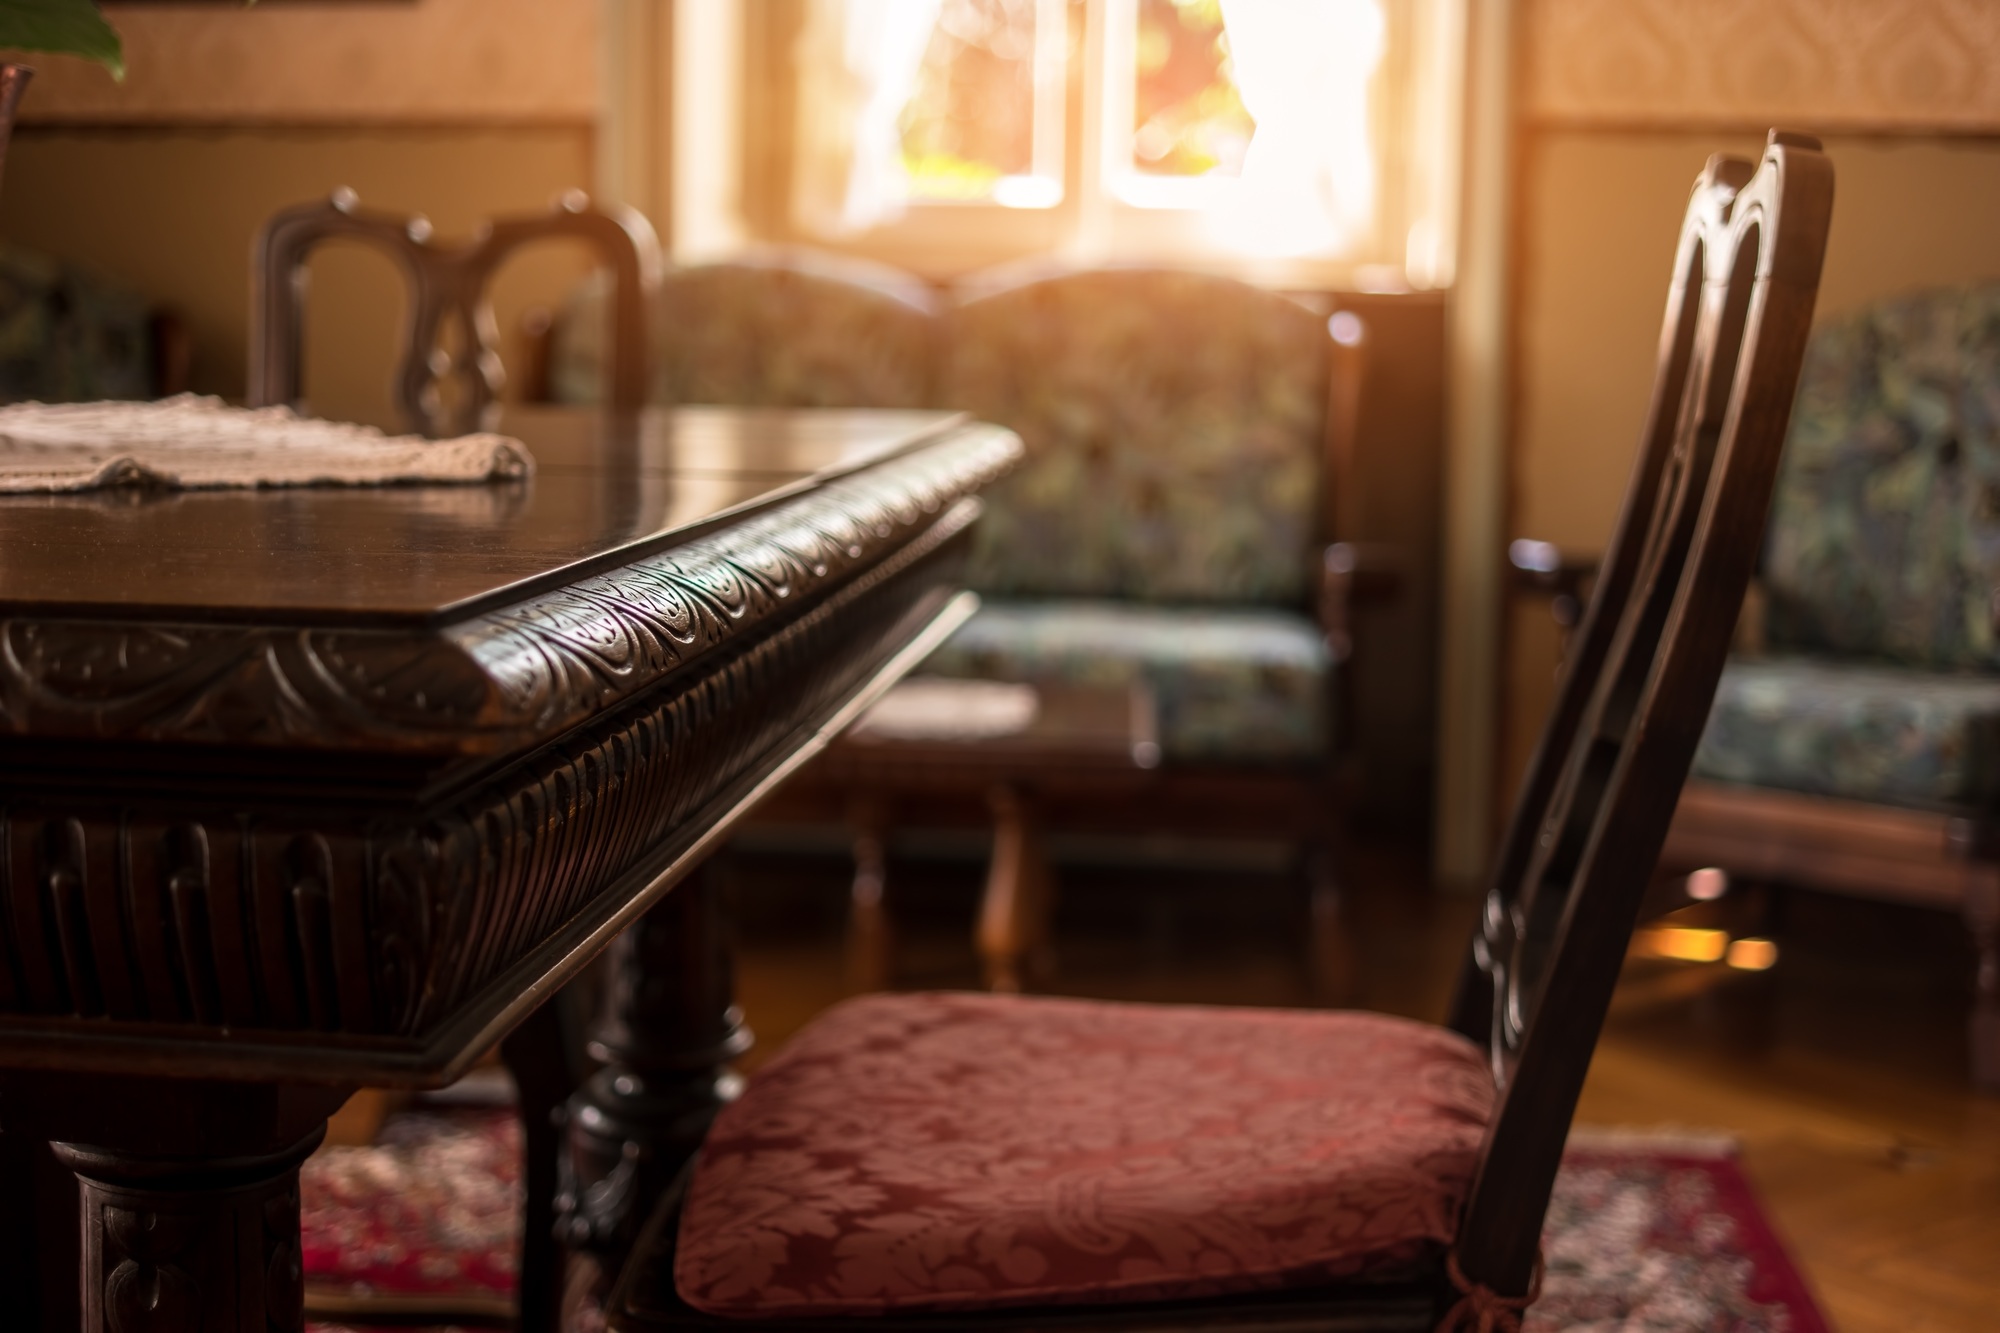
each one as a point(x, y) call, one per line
point(1414, 100)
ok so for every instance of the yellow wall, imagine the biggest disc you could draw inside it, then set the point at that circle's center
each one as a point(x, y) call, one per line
point(1601, 210)
point(172, 213)
point(460, 109)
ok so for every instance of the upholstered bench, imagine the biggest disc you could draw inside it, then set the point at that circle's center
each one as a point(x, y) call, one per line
point(1854, 741)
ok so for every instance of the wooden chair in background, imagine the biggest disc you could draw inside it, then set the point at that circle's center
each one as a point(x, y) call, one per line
point(874, 1167)
point(449, 375)
point(448, 381)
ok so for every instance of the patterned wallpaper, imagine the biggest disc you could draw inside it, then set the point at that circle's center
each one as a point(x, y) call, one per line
point(433, 61)
point(1852, 64)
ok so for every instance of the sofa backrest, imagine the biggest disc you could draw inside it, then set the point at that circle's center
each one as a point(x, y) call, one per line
point(1885, 531)
point(69, 335)
point(1174, 424)
point(781, 329)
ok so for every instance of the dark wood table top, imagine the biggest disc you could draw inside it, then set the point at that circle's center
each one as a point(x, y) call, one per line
point(457, 622)
point(606, 491)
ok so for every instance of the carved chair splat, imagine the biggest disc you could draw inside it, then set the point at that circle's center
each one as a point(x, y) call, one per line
point(1579, 853)
point(448, 381)
point(444, 388)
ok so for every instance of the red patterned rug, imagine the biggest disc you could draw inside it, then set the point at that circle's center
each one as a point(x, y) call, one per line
point(1647, 1233)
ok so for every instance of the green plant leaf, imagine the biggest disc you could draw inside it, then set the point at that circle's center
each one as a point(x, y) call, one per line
point(66, 27)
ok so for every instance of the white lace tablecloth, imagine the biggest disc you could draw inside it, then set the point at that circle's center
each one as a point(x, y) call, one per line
point(194, 443)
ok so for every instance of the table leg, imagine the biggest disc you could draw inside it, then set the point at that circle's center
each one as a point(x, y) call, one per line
point(1982, 917)
point(189, 1200)
point(870, 937)
point(666, 1033)
point(537, 1055)
point(1335, 977)
point(1013, 932)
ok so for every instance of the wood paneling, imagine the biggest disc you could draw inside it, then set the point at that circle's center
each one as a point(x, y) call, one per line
point(431, 62)
point(1823, 64)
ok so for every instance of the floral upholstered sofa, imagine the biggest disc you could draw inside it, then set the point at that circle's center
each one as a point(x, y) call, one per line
point(1167, 535)
point(772, 329)
point(1165, 528)
point(1857, 748)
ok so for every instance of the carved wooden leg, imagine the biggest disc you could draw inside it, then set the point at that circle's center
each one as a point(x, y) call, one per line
point(1335, 978)
point(870, 937)
point(1013, 935)
point(1982, 916)
point(537, 1055)
point(18, 1260)
point(189, 1201)
point(666, 1032)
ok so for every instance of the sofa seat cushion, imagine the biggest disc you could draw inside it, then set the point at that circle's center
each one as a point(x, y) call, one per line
point(1868, 733)
point(1246, 684)
point(966, 1151)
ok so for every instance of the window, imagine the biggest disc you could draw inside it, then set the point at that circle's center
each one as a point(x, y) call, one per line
point(1311, 138)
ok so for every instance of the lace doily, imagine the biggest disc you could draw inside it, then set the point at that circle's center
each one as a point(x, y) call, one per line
point(195, 443)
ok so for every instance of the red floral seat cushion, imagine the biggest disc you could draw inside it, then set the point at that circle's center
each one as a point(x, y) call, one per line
point(959, 1151)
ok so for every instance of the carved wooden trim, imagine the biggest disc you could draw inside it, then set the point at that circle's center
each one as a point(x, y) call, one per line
point(495, 683)
point(211, 933)
point(181, 1244)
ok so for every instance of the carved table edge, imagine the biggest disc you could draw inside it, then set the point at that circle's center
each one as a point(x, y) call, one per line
point(497, 682)
point(446, 1053)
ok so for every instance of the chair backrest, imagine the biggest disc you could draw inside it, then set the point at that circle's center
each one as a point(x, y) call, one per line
point(439, 390)
point(1176, 425)
point(1885, 534)
point(785, 328)
point(1642, 669)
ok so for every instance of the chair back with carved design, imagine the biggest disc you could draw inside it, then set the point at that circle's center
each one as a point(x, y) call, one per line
point(1599, 795)
point(444, 390)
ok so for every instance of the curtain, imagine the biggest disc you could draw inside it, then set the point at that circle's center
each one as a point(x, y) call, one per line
point(858, 62)
point(1303, 70)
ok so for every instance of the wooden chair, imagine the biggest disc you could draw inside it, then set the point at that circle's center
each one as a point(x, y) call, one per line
point(441, 389)
point(1246, 1169)
point(444, 391)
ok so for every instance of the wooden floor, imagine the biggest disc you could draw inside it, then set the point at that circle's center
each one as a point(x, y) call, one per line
point(1840, 1069)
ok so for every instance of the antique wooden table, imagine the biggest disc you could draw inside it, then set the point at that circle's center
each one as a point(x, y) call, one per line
point(313, 789)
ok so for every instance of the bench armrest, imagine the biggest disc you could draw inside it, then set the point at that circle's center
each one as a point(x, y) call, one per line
point(1352, 574)
point(1546, 568)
